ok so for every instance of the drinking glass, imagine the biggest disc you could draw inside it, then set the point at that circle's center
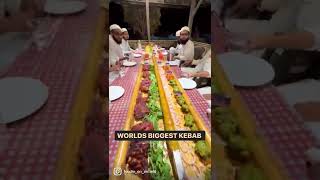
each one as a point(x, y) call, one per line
point(42, 34)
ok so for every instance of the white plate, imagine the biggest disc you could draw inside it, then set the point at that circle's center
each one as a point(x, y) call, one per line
point(115, 92)
point(187, 83)
point(174, 63)
point(64, 7)
point(129, 63)
point(246, 70)
point(20, 97)
point(137, 55)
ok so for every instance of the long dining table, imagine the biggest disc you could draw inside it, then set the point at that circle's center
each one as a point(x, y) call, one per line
point(276, 122)
point(118, 109)
point(45, 144)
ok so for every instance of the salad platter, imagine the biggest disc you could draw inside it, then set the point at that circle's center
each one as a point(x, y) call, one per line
point(244, 154)
point(159, 103)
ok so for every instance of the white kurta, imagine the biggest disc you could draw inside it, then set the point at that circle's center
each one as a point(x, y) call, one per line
point(115, 51)
point(125, 46)
point(187, 51)
point(202, 65)
point(291, 16)
point(205, 64)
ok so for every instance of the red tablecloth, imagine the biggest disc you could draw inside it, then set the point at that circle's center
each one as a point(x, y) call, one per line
point(29, 148)
point(118, 109)
point(283, 132)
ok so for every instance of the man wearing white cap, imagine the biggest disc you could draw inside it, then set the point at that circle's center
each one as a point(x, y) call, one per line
point(115, 51)
point(125, 37)
point(187, 51)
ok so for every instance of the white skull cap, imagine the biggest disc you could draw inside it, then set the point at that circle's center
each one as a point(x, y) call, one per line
point(178, 33)
point(185, 28)
point(124, 30)
point(115, 26)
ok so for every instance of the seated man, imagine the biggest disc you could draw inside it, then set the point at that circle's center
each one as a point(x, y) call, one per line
point(115, 51)
point(187, 51)
point(125, 43)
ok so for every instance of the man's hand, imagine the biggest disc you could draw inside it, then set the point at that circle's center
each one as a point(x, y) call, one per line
point(293, 40)
point(258, 42)
point(309, 111)
point(242, 6)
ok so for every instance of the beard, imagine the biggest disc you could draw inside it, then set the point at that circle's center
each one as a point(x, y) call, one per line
point(117, 41)
point(178, 41)
point(184, 41)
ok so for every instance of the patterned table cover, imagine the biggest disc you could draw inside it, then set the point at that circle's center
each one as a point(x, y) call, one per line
point(118, 109)
point(276, 122)
point(29, 148)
